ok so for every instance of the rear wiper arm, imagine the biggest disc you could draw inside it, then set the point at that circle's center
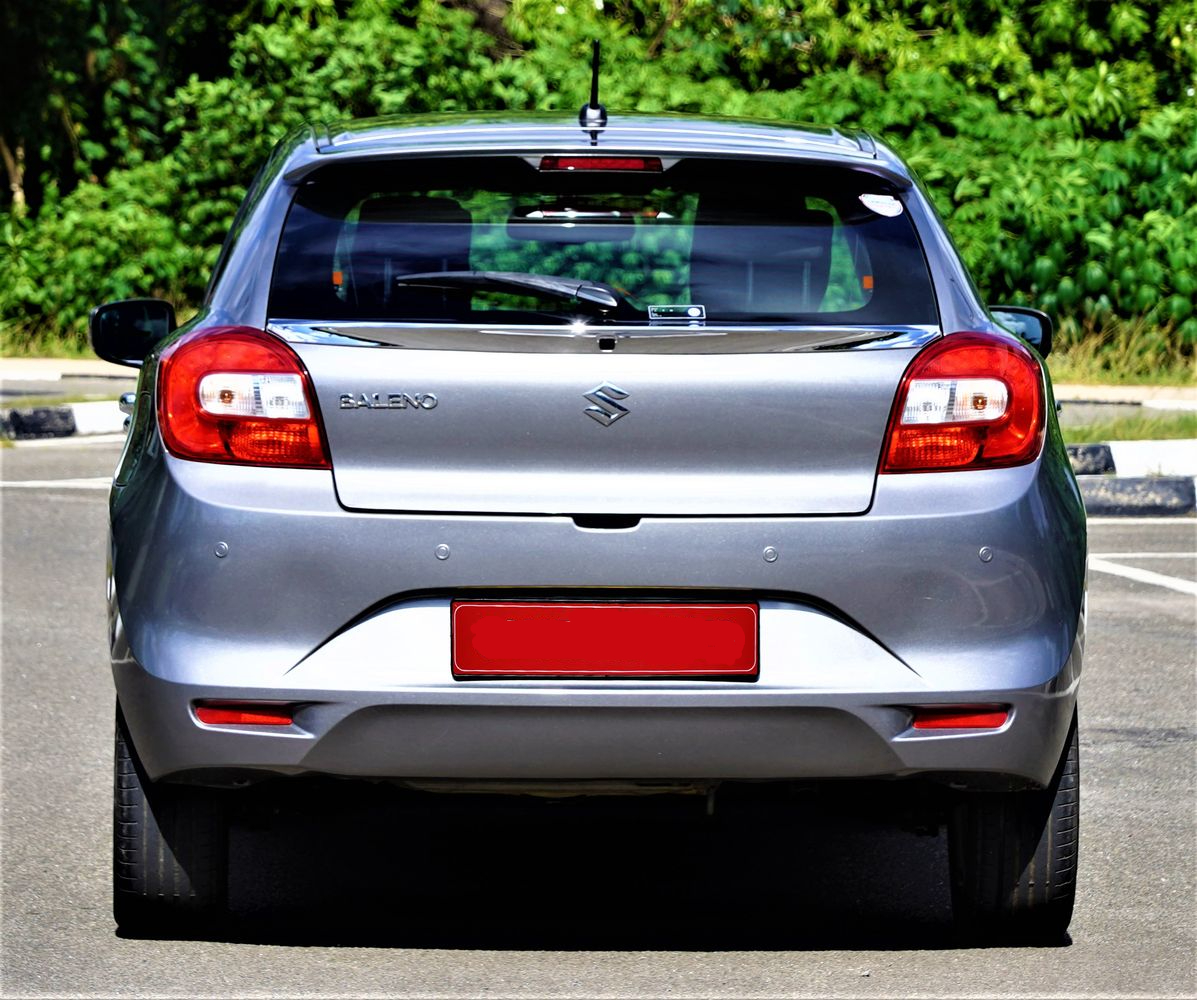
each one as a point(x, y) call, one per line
point(551, 285)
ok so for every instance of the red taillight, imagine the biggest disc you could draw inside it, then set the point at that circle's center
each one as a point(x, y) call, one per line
point(244, 713)
point(649, 164)
point(235, 394)
point(959, 717)
point(968, 401)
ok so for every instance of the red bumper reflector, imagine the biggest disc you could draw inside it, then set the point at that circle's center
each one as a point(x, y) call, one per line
point(960, 717)
point(520, 639)
point(243, 713)
point(650, 164)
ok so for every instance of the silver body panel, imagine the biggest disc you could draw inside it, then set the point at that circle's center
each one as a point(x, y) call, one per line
point(863, 628)
point(693, 434)
point(332, 593)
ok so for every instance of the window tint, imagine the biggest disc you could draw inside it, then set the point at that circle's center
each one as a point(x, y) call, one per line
point(748, 242)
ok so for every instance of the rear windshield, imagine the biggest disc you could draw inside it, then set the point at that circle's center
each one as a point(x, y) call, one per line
point(505, 240)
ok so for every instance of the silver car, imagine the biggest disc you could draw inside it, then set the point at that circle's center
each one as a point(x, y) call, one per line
point(526, 454)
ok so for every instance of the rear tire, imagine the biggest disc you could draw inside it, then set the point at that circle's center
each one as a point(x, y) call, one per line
point(169, 849)
point(1014, 858)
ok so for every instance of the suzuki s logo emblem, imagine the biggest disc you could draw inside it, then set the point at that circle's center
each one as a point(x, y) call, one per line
point(606, 410)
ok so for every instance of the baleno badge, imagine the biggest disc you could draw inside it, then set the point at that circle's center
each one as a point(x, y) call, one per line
point(388, 401)
point(606, 410)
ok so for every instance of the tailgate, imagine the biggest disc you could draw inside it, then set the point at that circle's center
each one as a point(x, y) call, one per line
point(587, 433)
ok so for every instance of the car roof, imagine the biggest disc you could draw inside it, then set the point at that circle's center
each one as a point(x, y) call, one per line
point(537, 133)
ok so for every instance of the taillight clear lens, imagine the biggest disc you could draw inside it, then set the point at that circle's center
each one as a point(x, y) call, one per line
point(235, 394)
point(968, 401)
point(954, 401)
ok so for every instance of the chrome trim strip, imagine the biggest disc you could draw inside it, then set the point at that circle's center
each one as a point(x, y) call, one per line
point(582, 338)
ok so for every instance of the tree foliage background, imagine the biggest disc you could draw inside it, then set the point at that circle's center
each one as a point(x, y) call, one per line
point(1058, 137)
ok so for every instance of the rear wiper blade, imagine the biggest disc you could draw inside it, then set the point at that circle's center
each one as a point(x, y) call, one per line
point(595, 293)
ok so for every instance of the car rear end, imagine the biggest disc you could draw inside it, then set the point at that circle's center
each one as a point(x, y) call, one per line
point(768, 497)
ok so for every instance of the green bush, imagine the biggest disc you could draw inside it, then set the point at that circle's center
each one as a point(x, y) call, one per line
point(1058, 139)
point(99, 243)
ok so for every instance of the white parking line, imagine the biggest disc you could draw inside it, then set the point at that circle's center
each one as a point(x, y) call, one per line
point(99, 483)
point(1143, 555)
point(1143, 576)
point(1166, 522)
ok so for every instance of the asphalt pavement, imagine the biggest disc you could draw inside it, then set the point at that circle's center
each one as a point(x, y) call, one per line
point(354, 893)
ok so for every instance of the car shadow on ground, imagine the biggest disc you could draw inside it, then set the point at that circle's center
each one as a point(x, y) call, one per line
point(367, 867)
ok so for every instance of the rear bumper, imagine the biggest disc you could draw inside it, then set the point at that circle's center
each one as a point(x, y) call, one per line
point(807, 717)
point(348, 613)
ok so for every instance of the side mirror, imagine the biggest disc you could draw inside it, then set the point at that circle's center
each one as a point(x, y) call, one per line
point(1032, 325)
point(126, 331)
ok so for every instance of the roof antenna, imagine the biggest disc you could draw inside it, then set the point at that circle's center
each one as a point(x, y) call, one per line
point(593, 116)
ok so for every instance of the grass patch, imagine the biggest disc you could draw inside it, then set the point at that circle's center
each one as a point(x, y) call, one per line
point(20, 341)
point(1150, 425)
point(42, 345)
point(1080, 365)
point(31, 402)
point(1120, 352)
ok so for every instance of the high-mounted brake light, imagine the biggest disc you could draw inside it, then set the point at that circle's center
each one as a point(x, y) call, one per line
point(968, 401)
point(235, 394)
point(648, 164)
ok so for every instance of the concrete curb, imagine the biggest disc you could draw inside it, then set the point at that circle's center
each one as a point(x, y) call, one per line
point(1091, 459)
point(1154, 397)
point(59, 369)
point(1148, 478)
point(27, 424)
point(1135, 458)
point(1155, 496)
point(38, 422)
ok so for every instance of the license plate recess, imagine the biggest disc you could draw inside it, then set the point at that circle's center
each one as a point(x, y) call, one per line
point(604, 639)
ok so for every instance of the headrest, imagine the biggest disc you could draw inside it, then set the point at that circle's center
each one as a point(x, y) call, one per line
point(396, 235)
point(777, 267)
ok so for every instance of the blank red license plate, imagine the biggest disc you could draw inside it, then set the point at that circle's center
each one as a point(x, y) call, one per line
point(541, 639)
